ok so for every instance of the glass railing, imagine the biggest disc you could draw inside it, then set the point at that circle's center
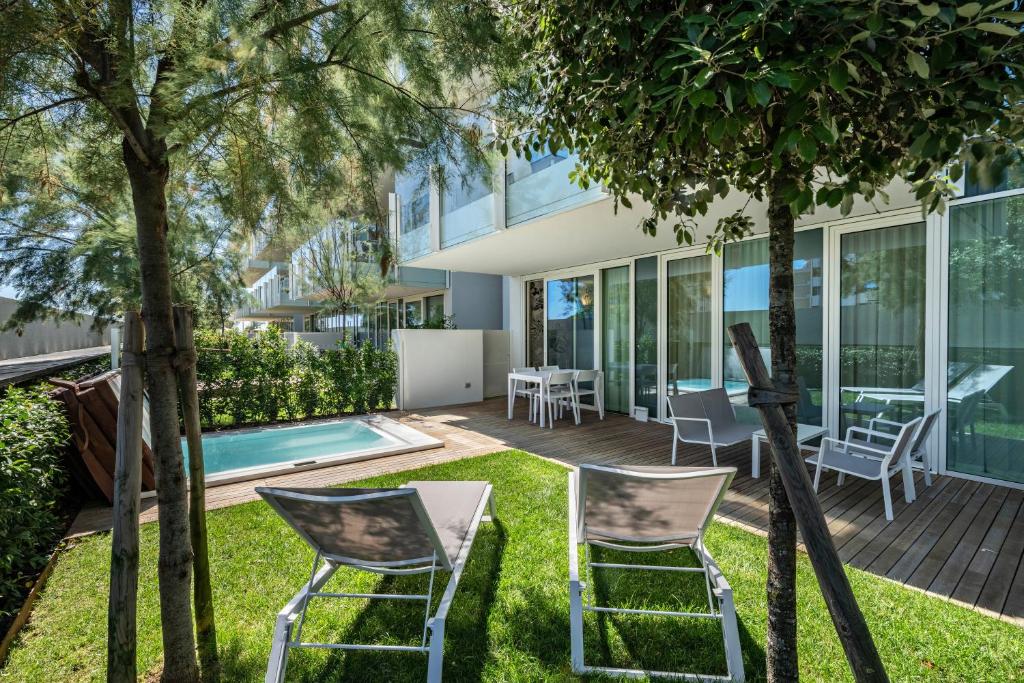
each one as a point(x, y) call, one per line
point(542, 186)
point(467, 204)
point(414, 243)
point(421, 277)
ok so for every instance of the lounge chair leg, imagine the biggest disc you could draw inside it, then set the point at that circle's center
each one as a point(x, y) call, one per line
point(887, 497)
point(576, 626)
point(909, 494)
point(675, 445)
point(817, 473)
point(279, 650)
point(714, 456)
point(841, 479)
point(435, 658)
point(731, 636)
point(926, 462)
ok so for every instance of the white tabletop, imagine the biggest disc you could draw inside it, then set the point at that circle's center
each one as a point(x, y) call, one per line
point(803, 432)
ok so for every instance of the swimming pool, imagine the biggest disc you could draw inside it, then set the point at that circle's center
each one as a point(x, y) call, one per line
point(253, 453)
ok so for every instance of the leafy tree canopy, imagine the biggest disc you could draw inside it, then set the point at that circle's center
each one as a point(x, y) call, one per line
point(682, 102)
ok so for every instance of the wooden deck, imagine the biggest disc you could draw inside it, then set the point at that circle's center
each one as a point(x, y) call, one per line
point(961, 540)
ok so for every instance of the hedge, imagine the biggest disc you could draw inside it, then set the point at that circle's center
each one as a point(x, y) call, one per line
point(257, 379)
point(33, 434)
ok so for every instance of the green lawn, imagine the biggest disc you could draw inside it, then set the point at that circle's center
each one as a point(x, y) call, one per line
point(509, 621)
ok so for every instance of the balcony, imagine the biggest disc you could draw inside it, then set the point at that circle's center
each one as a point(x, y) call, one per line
point(270, 299)
point(434, 224)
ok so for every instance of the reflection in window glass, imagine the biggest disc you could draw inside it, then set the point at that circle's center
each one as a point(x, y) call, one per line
point(535, 323)
point(413, 313)
point(570, 318)
point(615, 337)
point(435, 309)
point(746, 300)
point(882, 325)
point(645, 334)
point(688, 325)
point(1013, 180)
point(985, 391)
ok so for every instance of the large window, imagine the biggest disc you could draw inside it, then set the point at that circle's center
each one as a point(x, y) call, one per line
point(688, 325)
point(413, 313)
point(615, 337)
point(645, 335)
point(745, 299)
point(570, 320)
point(434, 309)
point(882, 324)
point(985, 355)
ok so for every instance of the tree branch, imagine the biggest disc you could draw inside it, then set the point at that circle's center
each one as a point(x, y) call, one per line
point(12, 121)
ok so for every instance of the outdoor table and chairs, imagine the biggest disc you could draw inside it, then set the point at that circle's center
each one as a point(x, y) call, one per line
point(804, 434)
point(545, 396)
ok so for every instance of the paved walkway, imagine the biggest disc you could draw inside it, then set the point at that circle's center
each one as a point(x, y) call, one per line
point(16, 370)
point(961, 540)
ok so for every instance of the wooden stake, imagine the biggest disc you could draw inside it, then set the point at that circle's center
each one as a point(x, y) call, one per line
point(835, 586)
point(206, 631)
point(124, 552)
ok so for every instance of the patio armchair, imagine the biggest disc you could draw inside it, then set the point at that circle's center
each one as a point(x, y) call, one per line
point(880, 438)
point(867, 460)
point(591, 376)
point(561, 390)
point(419, 528)
point(707, 418)
point(530, 393)
point(648, 510)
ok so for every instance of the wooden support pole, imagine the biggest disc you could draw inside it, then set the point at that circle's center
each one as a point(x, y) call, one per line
point(835, 586)
point(185, 365)
point(124, 552)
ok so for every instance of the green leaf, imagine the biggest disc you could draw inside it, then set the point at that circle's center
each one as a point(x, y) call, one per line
point(1017, 17)
point(808, 149)
point(728, 98)
point(969, 9)
point(929, 9)
point(838, 77)
point(917, 64)
point(1001, 29)
point(762, 93)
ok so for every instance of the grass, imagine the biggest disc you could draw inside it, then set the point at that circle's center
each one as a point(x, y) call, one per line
point(509, 621)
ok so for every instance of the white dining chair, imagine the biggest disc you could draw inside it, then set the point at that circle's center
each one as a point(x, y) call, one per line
point(592, 377)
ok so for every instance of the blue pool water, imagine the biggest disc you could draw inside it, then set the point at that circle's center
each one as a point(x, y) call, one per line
point(301, 443)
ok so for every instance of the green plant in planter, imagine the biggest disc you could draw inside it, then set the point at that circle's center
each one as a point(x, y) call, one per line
point(307, 369)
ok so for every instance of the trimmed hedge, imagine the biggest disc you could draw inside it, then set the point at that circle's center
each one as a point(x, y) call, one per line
point(254, 380)
point(33, 434)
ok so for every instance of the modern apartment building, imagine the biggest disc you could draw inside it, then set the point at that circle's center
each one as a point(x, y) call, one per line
point(898, 313)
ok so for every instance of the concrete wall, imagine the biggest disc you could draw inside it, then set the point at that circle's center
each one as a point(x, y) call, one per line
point(439, 367)
point(497, 362)
point(476, 301)
point(47, 336)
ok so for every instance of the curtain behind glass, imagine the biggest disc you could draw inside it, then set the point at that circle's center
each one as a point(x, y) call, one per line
point(746, 300)
point(615, 337)
point(882, 324)
point(645, 334)
point(985, 382)
point(689, 324)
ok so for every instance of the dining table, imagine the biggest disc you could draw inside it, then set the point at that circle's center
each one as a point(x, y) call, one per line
point(540, 378)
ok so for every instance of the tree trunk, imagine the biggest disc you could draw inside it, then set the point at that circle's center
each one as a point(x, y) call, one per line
point(206, 631)
point(781, 649)
point(124, 551)
point(174, 569)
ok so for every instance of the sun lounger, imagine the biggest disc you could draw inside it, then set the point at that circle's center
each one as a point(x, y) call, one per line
point(420, 528)
point(647, 510)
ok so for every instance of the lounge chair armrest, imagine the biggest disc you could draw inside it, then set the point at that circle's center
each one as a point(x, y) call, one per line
point(882, 420)
point(869, 433)
point(857, 449)
point(574, 562)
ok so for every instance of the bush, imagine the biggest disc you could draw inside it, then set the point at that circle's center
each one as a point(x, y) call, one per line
point(254, 380)
point(33, 434)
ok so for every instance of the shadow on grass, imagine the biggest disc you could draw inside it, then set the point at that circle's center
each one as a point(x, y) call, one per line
point(653, 642)
point(400, 622)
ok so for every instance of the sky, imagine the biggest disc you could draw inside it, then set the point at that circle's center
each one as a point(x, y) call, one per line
point(8, 292)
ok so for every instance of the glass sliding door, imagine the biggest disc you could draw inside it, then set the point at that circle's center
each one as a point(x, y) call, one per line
point(570, 321)
point(434, 315)
point(535, 323)
point(414, 313)
point(645, 334)
point(745, 299)
point(688, 325)
point(985, 353)
point(615, 337)
point(882, 324)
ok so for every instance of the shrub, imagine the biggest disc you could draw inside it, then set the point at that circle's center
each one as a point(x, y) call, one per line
point(247, 380)
point(33, 434)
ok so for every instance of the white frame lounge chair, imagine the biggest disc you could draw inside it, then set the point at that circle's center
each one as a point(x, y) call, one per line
point(419, 528)
point(918, 451)
point(645, 510)
point(707, 418)
point(597, 392)
point(873, 462)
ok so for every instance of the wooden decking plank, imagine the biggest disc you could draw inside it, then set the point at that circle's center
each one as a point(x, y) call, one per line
point(973, 579)
point(943, 566)
point(935, 541)
point(1007, 573)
